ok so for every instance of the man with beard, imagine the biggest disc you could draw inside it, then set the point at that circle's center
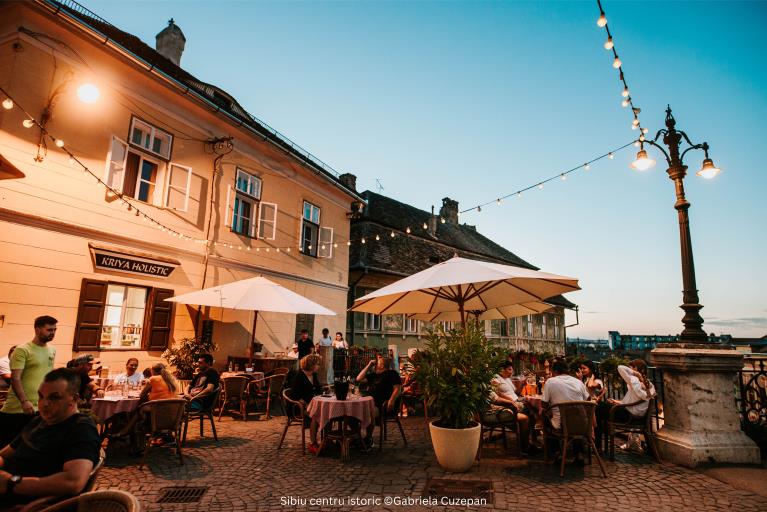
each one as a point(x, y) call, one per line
point(29, 365)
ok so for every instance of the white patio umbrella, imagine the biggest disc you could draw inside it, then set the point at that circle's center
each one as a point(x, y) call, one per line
point(460, 285)
point(512, 311)
point(256, 294)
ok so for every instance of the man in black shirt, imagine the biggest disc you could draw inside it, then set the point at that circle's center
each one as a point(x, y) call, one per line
point(204, 383)
point(305, 344)
point(384, 385)
point(56, 452)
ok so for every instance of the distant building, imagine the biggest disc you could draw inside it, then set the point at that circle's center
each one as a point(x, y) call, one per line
point(595, 350)
point(750, 345)
point(421, 240)
point(645, 342)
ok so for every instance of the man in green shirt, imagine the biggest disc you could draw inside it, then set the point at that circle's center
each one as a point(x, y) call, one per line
point(29, 365)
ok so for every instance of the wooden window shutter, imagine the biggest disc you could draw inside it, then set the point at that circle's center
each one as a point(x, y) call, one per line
point(160, 320)
point(90, 315)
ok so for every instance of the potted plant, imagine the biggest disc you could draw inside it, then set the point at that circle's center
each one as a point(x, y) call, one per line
point(454, 371)
point(184, 357)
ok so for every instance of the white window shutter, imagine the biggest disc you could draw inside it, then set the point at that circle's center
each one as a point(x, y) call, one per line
point(267, 221)
point(178, 184)
point(325, 250)
point(115, 165)
point(228, 213)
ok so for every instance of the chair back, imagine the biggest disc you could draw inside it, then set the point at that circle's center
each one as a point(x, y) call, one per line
point(280, 371)
point(98, 501)
point(294, 409)
point(234, 386)
point(213, 397)
point(577, 418)
point(277, 382)
point(165, 415)
point(94, 472)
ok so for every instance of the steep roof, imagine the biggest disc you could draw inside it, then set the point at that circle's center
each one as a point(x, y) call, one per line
point(220, 98)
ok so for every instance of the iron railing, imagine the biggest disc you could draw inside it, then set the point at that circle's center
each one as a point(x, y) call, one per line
point(751, 397)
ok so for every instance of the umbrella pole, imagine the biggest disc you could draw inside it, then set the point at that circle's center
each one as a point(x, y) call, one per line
point(253, 337)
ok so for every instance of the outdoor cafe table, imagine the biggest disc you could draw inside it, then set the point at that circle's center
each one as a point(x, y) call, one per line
point(322, 409)
point(535, 402)
point(105, 408)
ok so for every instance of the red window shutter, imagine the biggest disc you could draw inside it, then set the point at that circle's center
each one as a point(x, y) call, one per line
point(157, 333)
point(90, 315)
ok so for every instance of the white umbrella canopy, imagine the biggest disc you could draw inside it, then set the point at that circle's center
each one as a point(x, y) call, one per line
point(499, 313)
point(460, 284)
point(255, 294)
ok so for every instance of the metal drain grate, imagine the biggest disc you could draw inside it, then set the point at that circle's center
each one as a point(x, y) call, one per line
point(181, 494)
point(456, 488)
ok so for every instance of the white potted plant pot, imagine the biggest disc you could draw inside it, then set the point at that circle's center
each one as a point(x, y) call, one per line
point(456, 448)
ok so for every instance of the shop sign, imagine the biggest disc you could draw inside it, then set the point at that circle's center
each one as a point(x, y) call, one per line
point(131, 264)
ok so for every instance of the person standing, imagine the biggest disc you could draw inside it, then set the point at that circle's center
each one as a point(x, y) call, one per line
point(5, 369)
point(30, 363)
point(305, 344)
point(340, 342)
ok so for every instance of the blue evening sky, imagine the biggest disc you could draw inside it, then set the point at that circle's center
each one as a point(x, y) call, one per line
point(472, 100)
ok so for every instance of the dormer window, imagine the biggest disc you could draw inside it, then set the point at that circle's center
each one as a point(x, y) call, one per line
point(150, 138)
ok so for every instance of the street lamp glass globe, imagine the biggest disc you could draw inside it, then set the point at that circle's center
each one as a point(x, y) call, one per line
point(88, 93)
point(709, 170)
point(643, 162)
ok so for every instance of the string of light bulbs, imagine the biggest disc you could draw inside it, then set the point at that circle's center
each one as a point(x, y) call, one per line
point(9, 103)
point(628, 101)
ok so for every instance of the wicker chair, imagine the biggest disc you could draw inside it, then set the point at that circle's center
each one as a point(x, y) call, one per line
point(207, 412)
point(295, 412)
point(577, 422)
point(164, 418)
point(385, 417)
point(47, 501)
point(635, 425)
point(98, 501)
point(268, 389)
point(502, 419)
point(234, 393)
point(344, 430)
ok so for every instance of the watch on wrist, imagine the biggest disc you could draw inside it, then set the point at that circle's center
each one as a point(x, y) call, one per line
point(12, 481)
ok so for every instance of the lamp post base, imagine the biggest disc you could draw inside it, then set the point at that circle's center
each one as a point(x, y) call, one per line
point(701, 423)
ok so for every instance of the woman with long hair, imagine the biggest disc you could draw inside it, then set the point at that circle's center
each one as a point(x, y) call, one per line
point(596, 388)
point(161, 385)
point(639, 392)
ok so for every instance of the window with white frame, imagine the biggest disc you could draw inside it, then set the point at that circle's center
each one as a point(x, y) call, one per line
point(544, 326)
point(528, 326)
point(325, 243)
point(267, 221)
point(556, 327)
point(247, 192)
point(310, 229)
point(179, 182)
point(150, 138)
point(124, 312)
point(372, 322)
point(411, 325)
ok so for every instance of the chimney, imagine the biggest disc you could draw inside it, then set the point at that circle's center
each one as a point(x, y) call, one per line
point(432, 223)
point(449, 210)
point(170, 42)
point(349, 181)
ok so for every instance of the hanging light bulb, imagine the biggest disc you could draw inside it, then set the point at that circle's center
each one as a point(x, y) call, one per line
point(27, 123)
point(407, 230)
point(277, 249)
point(362, 241)
point(425, 226)
point(641, 138)
point(287, 250)
point(540, 186)
point(248, 248)
point(586, 166)
point(378, 237)
point(643, 162)
point(310, 248)
point(519, 194)
point(335, 246)
point(442, 220)
point(610, 156)
point(349, 243)
point(59, 143)
point(88, 93)
point(616, 62)
point(7, 103)
point(609, 43)
point(708, 170)
point(602, 21)
point(625, 92)
point(391, 234)
point(645, 130)
point(479, 209)
point(498, 201)
point(636, 143)
point(625, 103)
point(635, 122)
point(563, 177)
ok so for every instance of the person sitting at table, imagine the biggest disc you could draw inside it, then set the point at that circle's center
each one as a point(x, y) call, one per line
point(639, 391)
point(384, 385)
point(339, 342)
point(597, 390)
point(56, 451)
point(160, 386)
point(504, 395)
point(83, 366)
point(530, 388)
point(131, 376)
point(563, 387)
point(293, 351)
point(203, 385)
point(304, 387)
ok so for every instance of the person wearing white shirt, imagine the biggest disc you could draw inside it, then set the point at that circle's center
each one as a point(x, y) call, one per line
point(131, 376)
point(504, 394)
point(326, 340)
point(340, 342)
point(638, 390)
point(293, 351)
point(562, 387)
point(5, 369)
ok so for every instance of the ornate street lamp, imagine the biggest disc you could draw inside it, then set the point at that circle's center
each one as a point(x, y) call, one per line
point(693, 331)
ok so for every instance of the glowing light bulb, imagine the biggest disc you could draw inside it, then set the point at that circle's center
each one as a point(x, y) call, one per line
point(643, 162)
point(635, 122)
point(378, 237)
point(442, 220)
point(407, 230)
point(645, 130)
point(616, 63)
point(609, 43)
point(625, 92)
point(519, 194)
point(602, 21)
point(88, 93)
point(540, 186)
point(335, 246)
point(362, 241)
point(563, 177)
point(625, 103)
point(27, 123)
point(392, 234)
point(287, 250)
point(59, 143)
point(709, 170)
point(636, 144)
point(425, 226)
point(348, 243)
point(586, 166)
point(7, 103)
point(610, 156)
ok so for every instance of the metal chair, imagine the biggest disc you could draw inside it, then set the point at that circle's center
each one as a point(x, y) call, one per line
point(234, 392)
point(164, 417)
point(635, 425)
point(206, 412)
point(385, 417)
point(577, 423)
point(266, 389)
point(502, 419)
point(344, 431)
point(295, 412)
point(98, 501)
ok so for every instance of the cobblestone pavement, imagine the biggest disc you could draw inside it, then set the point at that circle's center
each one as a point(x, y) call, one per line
point(245, 471)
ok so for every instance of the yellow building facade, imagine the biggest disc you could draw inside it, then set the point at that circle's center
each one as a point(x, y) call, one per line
point(174, 188)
